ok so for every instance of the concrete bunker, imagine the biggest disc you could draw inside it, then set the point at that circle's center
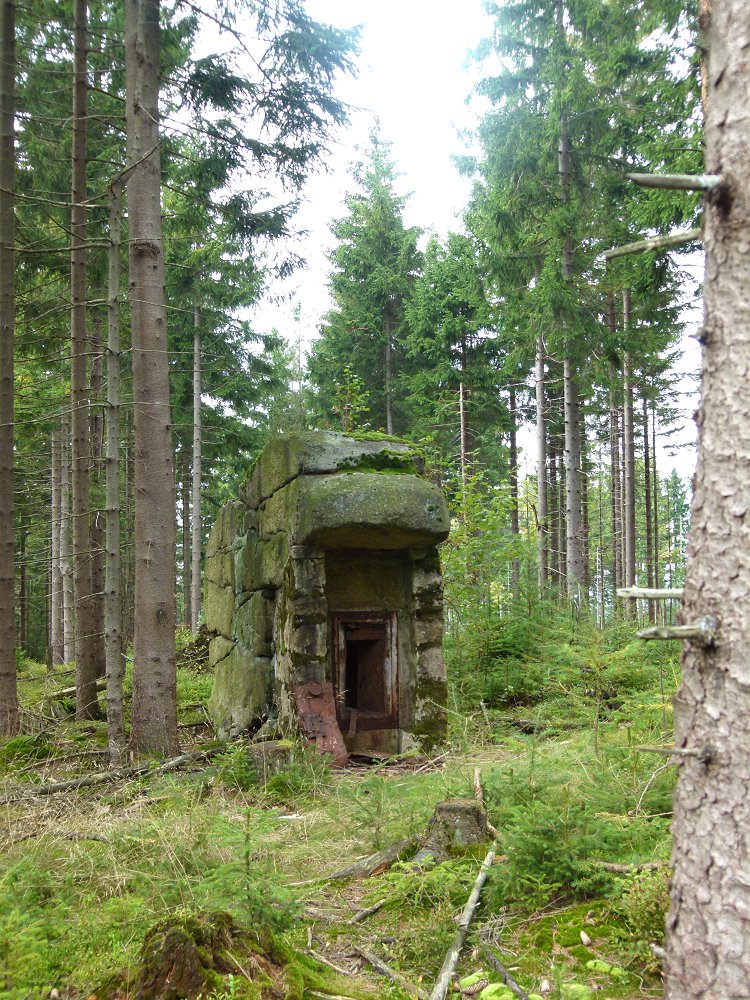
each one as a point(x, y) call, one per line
point(324, 596)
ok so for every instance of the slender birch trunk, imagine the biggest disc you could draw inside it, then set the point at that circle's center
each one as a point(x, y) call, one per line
point(196, 521)
point(8, 695)
point(113, 640)
point(541, 466)
point(154, 726)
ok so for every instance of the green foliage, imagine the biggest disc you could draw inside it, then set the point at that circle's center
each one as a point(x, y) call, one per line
point(25, 748)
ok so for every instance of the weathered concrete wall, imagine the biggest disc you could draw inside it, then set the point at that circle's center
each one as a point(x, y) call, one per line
point(326, 523)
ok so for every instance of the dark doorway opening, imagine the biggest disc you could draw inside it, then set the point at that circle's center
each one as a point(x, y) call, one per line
point(365, 670)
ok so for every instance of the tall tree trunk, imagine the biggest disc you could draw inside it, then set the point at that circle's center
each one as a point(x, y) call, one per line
point(86, 698)
point(56, 576)
point(585, 524)
point(8, 694)
point(708, 927)
point(65, 564)
point(463, 459)
point(113, 642)
point(515, 569)
point(96, 523)
point(187, 590)
point(553, 518)
point(154, 726)
point(574, 526)
point(23, 593)
point(574, 530)
point(629, 456)
point(647, 502)
point(196, 520)
point(541, 473)
point(655, 498)
point(128, 572)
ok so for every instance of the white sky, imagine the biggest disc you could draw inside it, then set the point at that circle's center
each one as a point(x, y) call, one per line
point(413, 78)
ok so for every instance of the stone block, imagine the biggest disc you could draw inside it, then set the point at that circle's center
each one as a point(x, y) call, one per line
point(218, 606)
point(253, 624)
point(314, 453)
point(368, 510)
point(219, 569)
point(218, 649)
point(262, 563)
point(428, 632)
point(240, 694)
point(431, 664)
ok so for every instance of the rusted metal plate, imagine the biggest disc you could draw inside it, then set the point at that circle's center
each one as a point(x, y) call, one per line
point(316, 711)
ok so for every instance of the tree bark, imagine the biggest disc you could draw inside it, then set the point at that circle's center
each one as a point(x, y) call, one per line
point(154, 726)
point(629, 455)
point(708, 927)
point(541, 472)
point(113, 643)
point(86, 700)
point(187, 590)
point(97, 517)
point(196, 521)
point(56, 576)
point(8, 694)
point(515, 569)
point(574, 528)
point(647, 503)
point(66, 569)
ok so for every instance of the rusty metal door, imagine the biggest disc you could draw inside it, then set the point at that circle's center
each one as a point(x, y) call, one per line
point(365, 670)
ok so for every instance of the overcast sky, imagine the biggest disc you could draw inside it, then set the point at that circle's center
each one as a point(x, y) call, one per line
point(414, 79)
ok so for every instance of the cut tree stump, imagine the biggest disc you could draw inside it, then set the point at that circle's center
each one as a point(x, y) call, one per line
point(455, 825)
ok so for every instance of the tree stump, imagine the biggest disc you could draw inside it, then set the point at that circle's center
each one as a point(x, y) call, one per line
point(455, 825)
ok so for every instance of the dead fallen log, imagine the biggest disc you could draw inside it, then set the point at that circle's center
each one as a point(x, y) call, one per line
point(449, 964)
point(385, 970)
point(366, 866)
point(116, 774)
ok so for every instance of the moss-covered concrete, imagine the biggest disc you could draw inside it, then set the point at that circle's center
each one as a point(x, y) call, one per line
point(367, 510)
point(317, 452)
point(253, 623)
point(218, 607)
point(241, 691)
point(332, 524)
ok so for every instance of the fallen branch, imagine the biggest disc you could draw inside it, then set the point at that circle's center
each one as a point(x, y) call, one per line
point(498, 966)
point(366, 866)
point(55, 836)
point(324, 961)
point(69, 692)
point(364, 914)
point(451, 958)
point(103, 777)
point(385, 970)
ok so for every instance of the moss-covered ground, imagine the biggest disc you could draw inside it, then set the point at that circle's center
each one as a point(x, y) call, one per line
point(554, 725)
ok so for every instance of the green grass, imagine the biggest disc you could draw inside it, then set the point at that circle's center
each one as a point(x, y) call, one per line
point(564, 781)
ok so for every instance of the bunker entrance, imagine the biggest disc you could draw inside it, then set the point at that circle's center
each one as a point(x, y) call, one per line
point(365, 671)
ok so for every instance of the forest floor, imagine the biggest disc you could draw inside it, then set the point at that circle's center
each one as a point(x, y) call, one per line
point(85, 873)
